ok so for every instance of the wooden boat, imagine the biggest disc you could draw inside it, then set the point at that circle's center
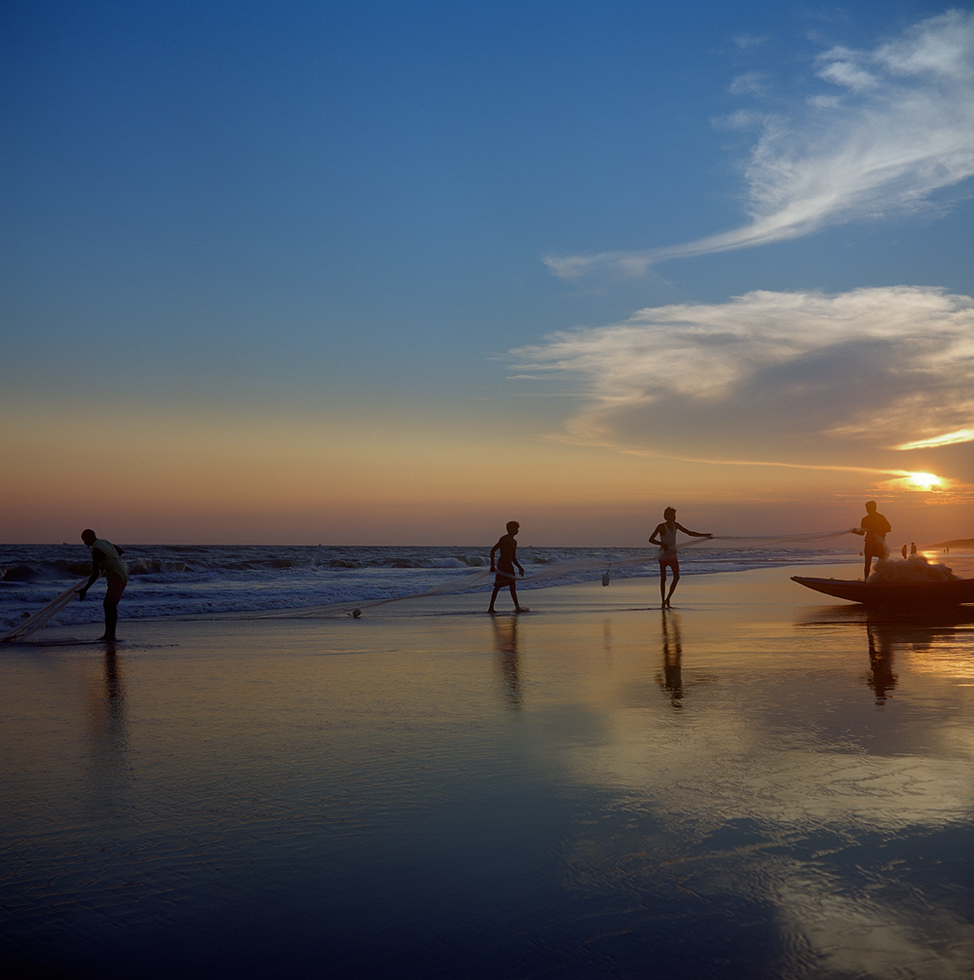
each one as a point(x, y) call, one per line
point(915, 595)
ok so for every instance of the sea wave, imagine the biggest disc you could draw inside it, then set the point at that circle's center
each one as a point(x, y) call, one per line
point(196, 580)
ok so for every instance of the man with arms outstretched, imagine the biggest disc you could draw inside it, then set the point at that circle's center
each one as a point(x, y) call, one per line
point(665, 537)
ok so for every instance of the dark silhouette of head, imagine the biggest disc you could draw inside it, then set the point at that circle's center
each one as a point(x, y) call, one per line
point(88, 536)
point(669, 513)
point(512, 527)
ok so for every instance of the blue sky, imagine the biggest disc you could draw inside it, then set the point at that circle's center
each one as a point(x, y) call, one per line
point(280, 269)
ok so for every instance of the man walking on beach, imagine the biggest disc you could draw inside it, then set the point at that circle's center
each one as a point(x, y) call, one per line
point(875, 527)
point(105, 557)
point(665, 537)
point(506, 563)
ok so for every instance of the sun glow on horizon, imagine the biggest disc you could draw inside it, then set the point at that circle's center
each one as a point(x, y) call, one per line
point(923, 481)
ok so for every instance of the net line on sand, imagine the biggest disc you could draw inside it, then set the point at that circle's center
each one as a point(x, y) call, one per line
point(45, 613)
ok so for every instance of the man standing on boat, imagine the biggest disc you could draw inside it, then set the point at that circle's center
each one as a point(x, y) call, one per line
point(875, 527)
point(665, 537)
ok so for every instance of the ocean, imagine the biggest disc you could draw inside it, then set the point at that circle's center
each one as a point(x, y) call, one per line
point(205, 580)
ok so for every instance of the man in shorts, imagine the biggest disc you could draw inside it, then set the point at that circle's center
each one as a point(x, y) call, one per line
point(106, 558)
point(665, 537)
point(505, 565)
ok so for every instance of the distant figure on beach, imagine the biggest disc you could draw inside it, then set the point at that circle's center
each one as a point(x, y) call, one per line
point(913, 548)
point(504, 567)
point(665, 537)
point(874, 527)
point(106, 557)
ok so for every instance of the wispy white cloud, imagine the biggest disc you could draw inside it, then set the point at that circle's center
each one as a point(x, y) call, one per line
point(798, 378)
point(895, 126)
point(745, 41)
point(946, 439)
point(750, 83)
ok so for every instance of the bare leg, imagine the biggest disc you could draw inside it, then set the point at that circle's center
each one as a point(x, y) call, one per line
point(662, 587)
point(111, 620)
point(669, 595)
point(867, 567)
point(493, 596)
point(517, 605)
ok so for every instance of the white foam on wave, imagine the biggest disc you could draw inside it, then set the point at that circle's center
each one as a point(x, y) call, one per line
point(199, 581)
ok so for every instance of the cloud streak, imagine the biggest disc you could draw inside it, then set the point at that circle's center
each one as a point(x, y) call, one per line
point(947, 439)
point(895, 126)
point(800, 378)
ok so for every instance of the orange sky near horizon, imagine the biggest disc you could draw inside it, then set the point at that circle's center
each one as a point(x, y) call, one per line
point(157, 480)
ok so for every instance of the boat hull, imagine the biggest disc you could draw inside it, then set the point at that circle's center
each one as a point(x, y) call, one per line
point(912, 594)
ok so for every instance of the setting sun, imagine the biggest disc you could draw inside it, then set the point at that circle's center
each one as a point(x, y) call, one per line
point(923, 481)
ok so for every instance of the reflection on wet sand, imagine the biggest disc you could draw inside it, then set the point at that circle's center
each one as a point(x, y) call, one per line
point(107, 732)
point(882, 678)
point(505, 643)
point(936, 633)
point(607, 639)
point(711, 795)
point(671, 677)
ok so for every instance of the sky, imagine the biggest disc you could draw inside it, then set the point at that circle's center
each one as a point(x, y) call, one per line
point(397, 273)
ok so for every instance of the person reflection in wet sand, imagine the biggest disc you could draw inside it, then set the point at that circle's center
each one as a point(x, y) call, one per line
point(506, 563)
point(882, 678)
point(107, 732)
point(114, 694)
point(106, 703)
point(505, 643)
point(671, 678)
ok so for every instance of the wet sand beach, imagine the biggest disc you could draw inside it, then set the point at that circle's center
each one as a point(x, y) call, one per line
point(759, 783)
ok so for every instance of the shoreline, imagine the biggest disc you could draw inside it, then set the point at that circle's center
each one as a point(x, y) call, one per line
point(637, 593)
point(246, 585)
point(764, 586)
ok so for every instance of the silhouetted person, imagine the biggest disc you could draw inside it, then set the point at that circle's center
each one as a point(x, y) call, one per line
point(106, 558)
point(505, 565)
point(875, 527)
point(665, 537)
point(913, 548)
